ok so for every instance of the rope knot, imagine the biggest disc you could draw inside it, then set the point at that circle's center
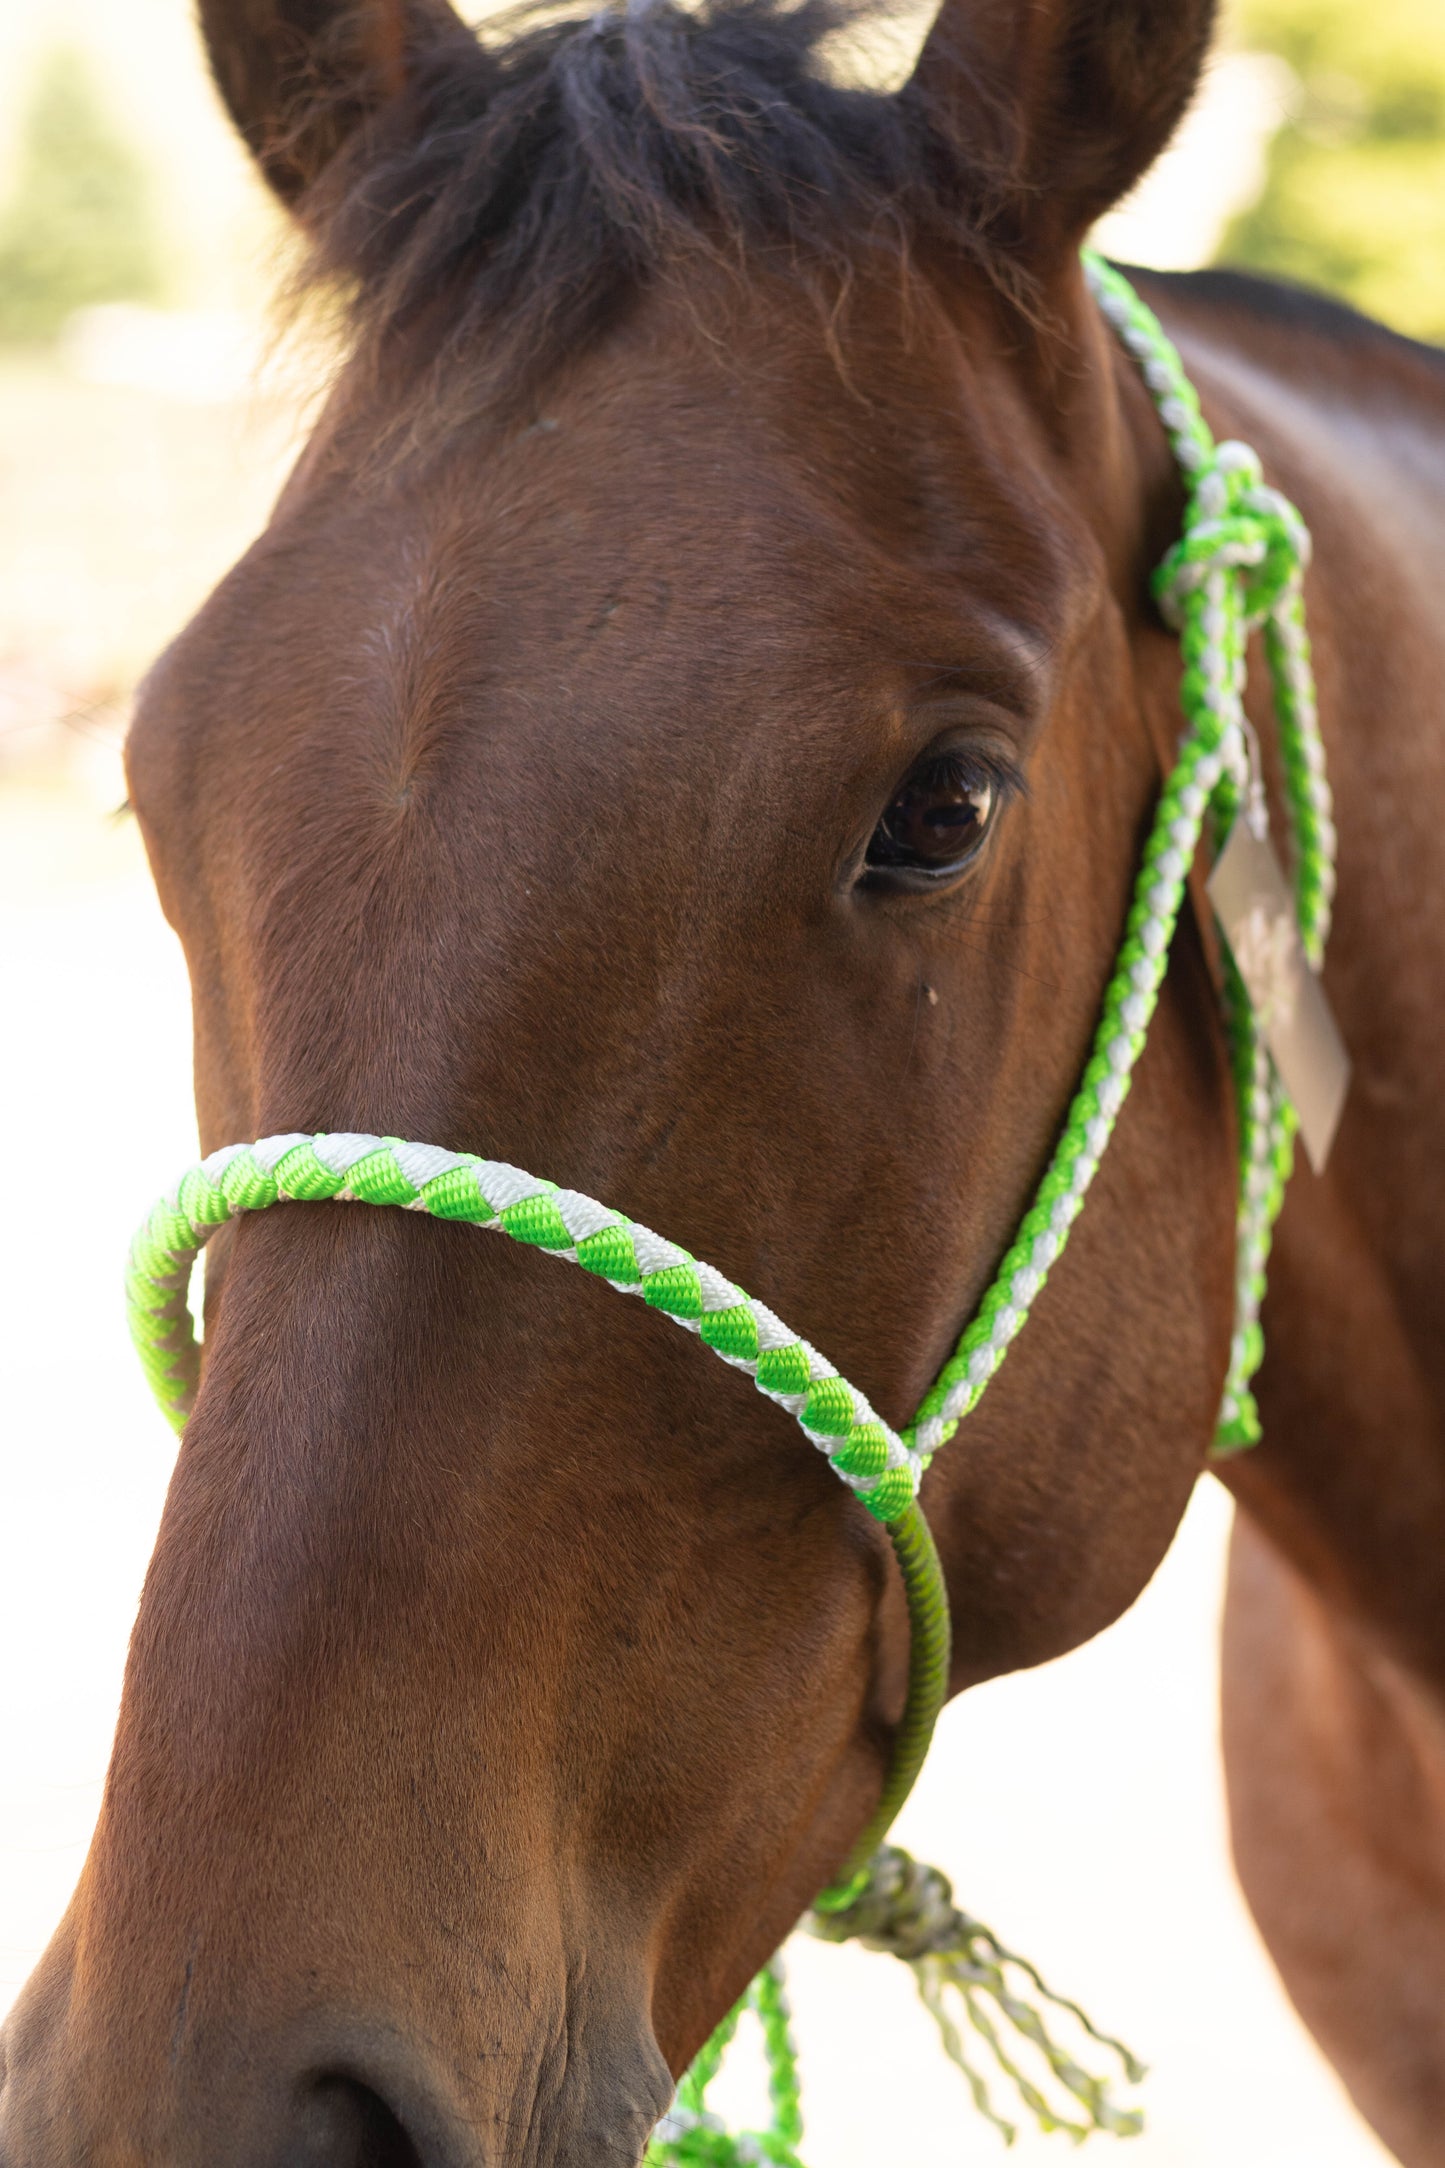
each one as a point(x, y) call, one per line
point(905, 1909)
point(1234, 522)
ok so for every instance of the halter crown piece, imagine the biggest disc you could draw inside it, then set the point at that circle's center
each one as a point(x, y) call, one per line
point(1238, 566)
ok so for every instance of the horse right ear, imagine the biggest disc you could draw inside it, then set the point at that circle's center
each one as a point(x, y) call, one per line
point(1064, 102)
point(299, 76)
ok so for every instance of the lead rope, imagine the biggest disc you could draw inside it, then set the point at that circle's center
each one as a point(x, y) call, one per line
point(1239, 565)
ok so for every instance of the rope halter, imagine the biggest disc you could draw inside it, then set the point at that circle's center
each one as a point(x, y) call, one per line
point(1236, 523)
point(1239, 565)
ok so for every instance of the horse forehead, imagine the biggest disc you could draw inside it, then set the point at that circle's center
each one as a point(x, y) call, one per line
point(736, 466)
point(634, 526)
point(713, 527)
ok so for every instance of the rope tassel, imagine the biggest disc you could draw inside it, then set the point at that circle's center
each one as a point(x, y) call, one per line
point(907, 1910)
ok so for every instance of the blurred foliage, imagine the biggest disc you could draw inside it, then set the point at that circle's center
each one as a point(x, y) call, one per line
point(79, 226)
point(1355, 194)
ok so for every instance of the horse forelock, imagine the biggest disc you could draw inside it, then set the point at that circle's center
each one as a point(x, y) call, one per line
point(538, 175)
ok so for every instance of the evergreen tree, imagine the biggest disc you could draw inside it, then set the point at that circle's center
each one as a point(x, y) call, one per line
point(79, 226)
point(1355, 195)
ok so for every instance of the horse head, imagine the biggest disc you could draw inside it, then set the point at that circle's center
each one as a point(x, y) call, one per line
point(688, 730)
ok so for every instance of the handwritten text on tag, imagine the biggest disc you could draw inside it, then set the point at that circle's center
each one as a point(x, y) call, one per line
point(1255, 909)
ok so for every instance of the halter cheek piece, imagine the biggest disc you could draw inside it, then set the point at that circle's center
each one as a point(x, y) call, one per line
point(1238, 566)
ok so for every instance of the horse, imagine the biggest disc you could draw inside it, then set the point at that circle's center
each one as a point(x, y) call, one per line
point(689, 727)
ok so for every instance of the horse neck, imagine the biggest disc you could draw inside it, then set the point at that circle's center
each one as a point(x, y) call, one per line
point(1350, 1479)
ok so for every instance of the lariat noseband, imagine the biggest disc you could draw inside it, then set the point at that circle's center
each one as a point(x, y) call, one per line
point(1238, 566)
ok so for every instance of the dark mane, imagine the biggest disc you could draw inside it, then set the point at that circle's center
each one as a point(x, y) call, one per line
point(539, 174)
point(1296, 309)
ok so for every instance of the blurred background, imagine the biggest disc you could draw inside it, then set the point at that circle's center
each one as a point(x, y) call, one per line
point(147, 417)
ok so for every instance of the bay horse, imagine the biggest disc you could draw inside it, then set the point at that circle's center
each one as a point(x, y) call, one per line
point(689, 727)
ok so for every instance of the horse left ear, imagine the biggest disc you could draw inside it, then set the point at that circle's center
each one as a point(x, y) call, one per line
point(299, 76)
point(1067, 101)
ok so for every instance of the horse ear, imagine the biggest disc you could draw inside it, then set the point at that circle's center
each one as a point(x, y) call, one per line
point(298, 76)
point(1069, 101)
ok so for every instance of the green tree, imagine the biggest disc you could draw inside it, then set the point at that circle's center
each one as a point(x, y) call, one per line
point(1355, 194)
point(79, 226)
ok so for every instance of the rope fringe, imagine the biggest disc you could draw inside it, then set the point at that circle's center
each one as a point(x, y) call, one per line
point(908, 1912)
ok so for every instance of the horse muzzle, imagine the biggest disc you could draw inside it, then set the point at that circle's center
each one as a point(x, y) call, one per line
point(319, 2092)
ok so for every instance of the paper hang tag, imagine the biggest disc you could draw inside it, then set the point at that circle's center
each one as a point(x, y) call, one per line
point(1255, 909)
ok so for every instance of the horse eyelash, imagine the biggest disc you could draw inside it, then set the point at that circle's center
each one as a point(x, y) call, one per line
point(974, 768)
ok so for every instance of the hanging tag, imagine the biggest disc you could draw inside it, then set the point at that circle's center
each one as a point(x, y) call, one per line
point(1252, 901)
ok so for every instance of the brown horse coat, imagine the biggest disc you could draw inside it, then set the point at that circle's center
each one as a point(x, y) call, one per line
point(723, 455)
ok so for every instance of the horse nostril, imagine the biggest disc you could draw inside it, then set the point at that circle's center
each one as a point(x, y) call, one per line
point(344, 2124)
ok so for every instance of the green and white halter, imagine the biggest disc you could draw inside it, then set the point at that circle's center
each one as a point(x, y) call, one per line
point(1239, 566)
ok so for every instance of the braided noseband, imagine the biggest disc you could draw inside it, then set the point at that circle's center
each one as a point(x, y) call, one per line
point(1238, 566)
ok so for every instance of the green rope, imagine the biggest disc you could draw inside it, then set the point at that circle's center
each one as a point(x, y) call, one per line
point(692, 2137)
point(1239, 565)
point(929, 1649)
point(908, 1911)
point(871, 1459)
point(963, 1973)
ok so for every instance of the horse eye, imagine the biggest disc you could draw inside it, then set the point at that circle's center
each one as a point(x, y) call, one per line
point(934, 825)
